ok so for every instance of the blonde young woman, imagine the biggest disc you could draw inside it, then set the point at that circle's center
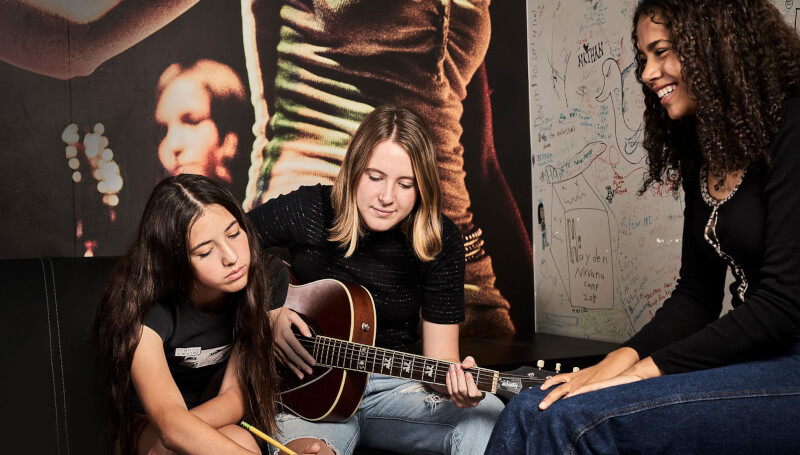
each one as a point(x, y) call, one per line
point(381, 226)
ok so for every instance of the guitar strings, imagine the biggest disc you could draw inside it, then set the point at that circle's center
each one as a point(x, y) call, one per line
point(355, 349)
point(353, 352)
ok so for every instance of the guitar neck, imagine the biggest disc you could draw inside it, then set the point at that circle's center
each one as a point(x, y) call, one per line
point(332, 352)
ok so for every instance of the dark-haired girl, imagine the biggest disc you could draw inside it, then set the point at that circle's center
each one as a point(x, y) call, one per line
point(722, 93)
point(184, 308)
point(381, 226)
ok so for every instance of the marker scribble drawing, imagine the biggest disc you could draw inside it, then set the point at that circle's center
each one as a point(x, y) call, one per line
point(587, 166)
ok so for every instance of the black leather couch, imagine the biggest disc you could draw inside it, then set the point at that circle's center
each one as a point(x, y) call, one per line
point(53, 400)
point(52, 388)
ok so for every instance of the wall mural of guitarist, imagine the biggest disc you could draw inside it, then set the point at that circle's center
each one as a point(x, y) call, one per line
point(290, 82)
point(180, 93)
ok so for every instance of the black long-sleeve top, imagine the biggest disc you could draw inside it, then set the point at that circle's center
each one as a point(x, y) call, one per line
point(383, 262)
point(758, 228)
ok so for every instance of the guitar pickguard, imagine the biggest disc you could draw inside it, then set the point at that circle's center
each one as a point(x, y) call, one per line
point(315, 378)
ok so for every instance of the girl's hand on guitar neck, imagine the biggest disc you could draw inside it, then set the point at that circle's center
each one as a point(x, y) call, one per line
point(290, 352)
point(461, 386)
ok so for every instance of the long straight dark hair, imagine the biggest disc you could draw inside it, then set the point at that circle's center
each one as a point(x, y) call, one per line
point(157, 266)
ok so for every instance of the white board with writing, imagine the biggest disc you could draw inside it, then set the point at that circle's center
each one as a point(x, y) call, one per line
point(604, 258)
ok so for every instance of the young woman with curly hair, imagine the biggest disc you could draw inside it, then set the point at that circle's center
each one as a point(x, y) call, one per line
point(722, 92)
point(381, 226)
point(183, 327)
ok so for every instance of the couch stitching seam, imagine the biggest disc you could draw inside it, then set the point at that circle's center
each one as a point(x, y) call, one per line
point(50, 346)
point(60, 354)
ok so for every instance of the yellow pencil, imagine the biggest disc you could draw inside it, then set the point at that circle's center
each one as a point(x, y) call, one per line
point(261, 435)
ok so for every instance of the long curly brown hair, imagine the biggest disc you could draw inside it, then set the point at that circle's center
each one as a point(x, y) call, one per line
point(741, 60)
point(157, 266)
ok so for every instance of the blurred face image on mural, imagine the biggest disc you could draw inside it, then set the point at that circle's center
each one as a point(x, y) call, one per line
point(195, 139)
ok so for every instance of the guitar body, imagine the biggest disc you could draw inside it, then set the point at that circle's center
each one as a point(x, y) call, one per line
point(342, 320)
point(339, 310)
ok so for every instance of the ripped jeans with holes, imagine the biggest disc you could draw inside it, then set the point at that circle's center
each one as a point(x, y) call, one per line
point(404, 417)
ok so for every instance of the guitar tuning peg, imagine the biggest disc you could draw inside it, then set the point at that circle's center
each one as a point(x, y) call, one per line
point(558, 367)
point(540, 364)
point(575, 369)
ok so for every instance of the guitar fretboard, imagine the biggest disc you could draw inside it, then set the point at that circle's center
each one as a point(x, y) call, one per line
point(332, 352)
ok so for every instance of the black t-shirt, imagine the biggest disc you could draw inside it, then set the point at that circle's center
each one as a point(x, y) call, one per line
point(196, 346)
point(384, 263)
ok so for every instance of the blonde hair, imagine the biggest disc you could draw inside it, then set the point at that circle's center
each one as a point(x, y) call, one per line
point(405, 128)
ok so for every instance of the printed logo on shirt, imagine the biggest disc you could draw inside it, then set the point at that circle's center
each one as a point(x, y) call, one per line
point(186, 352)
point(199, 358)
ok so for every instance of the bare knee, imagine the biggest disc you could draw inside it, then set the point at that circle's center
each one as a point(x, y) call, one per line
point(303, 445)
point(241, 436)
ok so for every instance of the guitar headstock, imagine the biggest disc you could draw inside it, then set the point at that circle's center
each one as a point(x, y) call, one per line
point(511, 383)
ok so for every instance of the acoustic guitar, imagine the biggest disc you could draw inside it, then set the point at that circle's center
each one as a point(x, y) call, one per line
point(341, 317)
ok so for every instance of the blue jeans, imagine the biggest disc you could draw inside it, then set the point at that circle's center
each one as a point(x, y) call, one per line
point(746, 408)
point(405, 417)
